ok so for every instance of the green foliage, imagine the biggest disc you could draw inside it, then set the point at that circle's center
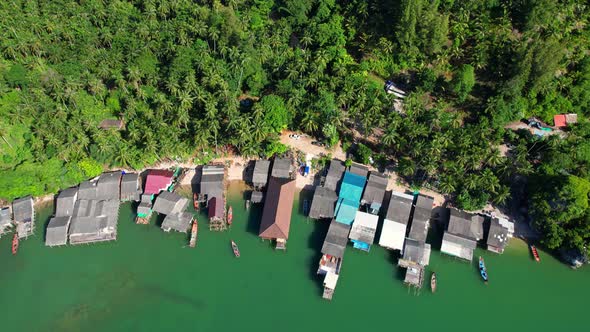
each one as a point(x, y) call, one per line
point(331, 134)
point(276, 115)
point(362, 154)
point(16, 76)
point(464, 81)
point(89, 167)
point(275, 148)
point(471, 201)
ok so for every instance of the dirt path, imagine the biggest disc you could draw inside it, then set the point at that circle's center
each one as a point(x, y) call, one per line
point(304, 144)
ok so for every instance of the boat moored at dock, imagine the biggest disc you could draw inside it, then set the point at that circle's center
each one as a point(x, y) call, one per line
point(230, 215)
point(15, 243)
point(433, 282)
point(482, 270)
point(194, 230)
point(535, 253)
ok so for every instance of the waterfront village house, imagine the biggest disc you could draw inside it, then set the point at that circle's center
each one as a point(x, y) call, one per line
point(170, 203)
point(96, 211)
point(260, 173)
point(157, 180)
point(281, 168)
point(396, 221)
point(374, 192)
point(349, 197)
point(111, 124)
point(179, 222)
point(144, 209)
point(276, 215)
point(322, 204)
point(363, 230)
point(333, 251)
point(256, 196)
point(460, 238)
point(24, 216)
point(56, 233)
point(334, 176)
point(5, 220)
point(501, 231)
point(211, 184)
point(216, 209)
point(130, 187)
point(416, 253)
point(358, 169)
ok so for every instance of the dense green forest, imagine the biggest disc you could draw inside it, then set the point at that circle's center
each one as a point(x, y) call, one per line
point(192, 79)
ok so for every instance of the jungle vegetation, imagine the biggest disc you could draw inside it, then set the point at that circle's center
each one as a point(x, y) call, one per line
point(192, 79)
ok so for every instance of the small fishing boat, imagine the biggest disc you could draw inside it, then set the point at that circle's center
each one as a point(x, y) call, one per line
point(15, 244)
point(234, 247)
point(194, 230)
point(433, 282)
point(482, 269)
point(230, 215)
point(535, 253)
point(196, 201)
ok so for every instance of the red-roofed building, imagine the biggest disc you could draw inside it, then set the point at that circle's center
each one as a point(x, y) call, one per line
point(559, 120)
point(158, 180)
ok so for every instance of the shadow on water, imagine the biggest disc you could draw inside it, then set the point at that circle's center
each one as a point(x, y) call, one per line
point(304, 195)
point(315, 241)
point(254, 217)
point(439, 220)
point(159, 219)
point(176, 298)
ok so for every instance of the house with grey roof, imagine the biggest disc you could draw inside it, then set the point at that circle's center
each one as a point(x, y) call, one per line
point(87, 189)
point(65, 202)
point(281, 168)
point(260, 173)
point(374, 192)
point(57, 231)
point(211, 184)
point(24, 216)
point(501, 231)
point(5, 220)
point(463, 232)
point(130, 187)
point(396, 221)
point(108, 186)
point(421, 218)
point(323, 203)
point(334, 176)
point(170, 203)
point(94, 221)
point(144, 209)
point(336, 239)
point(179, 222)
point(359, 169)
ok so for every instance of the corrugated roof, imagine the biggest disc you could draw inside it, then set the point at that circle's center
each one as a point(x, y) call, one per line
point(22, 210)
point(364, 227)
point(216, 208)
point(359, 169)
point(170, 203)
point(336, 239)
point(5, 217)
point(108, 186)
point(87, 190)
point(212, 180)
point(111, 123)
point(559, 120)
point(375, 189)
point(334, 175)
point(65, 202)
point(346, 211)
point(458, 246)
point(415, 251)
point(130, 187)
point(421, 218)
point(352, 187)
point(498, 235)
point(256, 196)
point(393, 235)
point(281, 168)
point(260, 174)
point(157, 180)
point(57, 231)
point(399, 208)
point(276, 216)
point(179, 222)
point(322, 205)
point(466, 225)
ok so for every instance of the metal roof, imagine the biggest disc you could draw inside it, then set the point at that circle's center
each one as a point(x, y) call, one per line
point(276, 215)
point(256, 196)
point(260, 174)
point(108, 186)
point(393, 235)
point(216, 207)
point(415, 251)
point(334, 175)
point(158, 180)
point(22, 210)
point(458, 246)
point(346, 211)
point(375, 189)
point(65, 202)
point(57, 231)
point(421, 218)
point(466, 224)
point(499, 233)
point(400, 206)
point(352, 187)
point(322, 205)
point(87, 190)
point(281, 168)
point(130, 187)
point(336, 239)
point(359, 169)
point(212, 180)
point(364, 227)
point(179, 222)
point(5, 217)
point(170, 203)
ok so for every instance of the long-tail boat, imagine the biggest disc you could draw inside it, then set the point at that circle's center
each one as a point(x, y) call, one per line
point(535, 253)
point(433, 282)
point(193, 241)
point(15, 244)
point(482, 270)
point(234, 247)
point(230, 215)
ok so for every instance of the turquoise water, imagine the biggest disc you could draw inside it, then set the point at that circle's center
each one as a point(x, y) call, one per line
point(149, 280)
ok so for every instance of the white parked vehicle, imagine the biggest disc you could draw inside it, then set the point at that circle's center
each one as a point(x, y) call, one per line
point(295, 136)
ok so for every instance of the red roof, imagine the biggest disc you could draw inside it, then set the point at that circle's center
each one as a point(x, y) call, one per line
point(276, 216)
point(216, 207)
point(157, 180)
point(559, 120)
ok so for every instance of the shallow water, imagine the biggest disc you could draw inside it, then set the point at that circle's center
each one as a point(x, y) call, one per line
point(149, 280)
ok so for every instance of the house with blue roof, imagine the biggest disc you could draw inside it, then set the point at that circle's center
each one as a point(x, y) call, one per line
point(351, 191)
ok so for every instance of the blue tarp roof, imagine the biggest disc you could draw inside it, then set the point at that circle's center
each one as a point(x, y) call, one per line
point(346, 211)
point(352, 187)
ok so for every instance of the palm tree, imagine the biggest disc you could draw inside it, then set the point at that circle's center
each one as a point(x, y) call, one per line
point(502, 195)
